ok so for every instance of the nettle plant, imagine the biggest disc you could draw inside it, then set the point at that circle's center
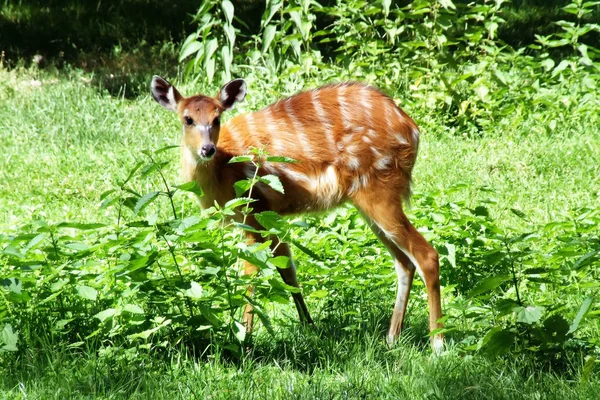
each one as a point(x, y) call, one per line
point(153, 278)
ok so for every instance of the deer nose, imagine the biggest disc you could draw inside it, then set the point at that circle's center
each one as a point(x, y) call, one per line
point(208, 150)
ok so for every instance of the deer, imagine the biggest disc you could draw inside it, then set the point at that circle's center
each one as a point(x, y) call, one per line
point(350, 142)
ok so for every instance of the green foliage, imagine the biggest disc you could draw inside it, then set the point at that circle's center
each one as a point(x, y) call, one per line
point(507, 194)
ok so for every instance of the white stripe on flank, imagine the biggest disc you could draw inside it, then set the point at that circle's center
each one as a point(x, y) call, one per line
point(344, 112)
point(387, 114)
point(277, 147)
point(298, 128)
point(236, 138)
point(327, 126)
point(367, 106)
point(250, 123)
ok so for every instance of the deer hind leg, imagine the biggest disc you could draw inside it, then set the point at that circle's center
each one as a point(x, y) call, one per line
point(405, 272)
point(385, 211)
point(289, 277)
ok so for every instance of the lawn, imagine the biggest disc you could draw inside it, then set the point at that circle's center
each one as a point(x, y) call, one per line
point(114, 284)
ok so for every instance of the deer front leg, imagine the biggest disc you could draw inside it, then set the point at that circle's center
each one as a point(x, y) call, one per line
point(249, 269)
point(289, 277)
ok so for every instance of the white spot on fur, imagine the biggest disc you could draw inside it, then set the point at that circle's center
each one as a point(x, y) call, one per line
point(400, 138)
point(367, 140)
point(383, 163)
point(325, 187)
point(352, 149)
point(364, 180)
point(353, 163)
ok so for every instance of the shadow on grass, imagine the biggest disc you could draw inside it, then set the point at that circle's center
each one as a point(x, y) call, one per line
point(336, 338)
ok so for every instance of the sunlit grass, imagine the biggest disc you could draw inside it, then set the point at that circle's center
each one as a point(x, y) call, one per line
point(65, 141)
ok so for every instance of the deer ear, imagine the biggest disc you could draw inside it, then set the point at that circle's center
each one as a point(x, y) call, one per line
point(164, 93)
point(232, 92)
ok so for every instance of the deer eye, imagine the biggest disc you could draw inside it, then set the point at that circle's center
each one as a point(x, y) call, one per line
point(188, 121)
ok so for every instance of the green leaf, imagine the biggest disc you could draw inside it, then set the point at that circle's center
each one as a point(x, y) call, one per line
point(270, 11)
point(529, 314)
point(268, 36)
point(488, 284)
point(519, 214)
point(583, 310)
point(227, 10)
point(195, 291)
point(189, 47)
point(237, 202)
point(144, 201)
point(273, 182)
point(451, 256)
point(447, 4)
point(87, 292)
point(191, 187)
point(280, 262)
point(9, 338)
point(106, 314)
point(282, 159)
point(80, 226)
point(237, 159)
point(242, 187)
point(497, 341)
point(133, 308)
point(481, 211)
point(319, 294)
point(240, 331)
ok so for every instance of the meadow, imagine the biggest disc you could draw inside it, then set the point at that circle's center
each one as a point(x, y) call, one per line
point(115, 285)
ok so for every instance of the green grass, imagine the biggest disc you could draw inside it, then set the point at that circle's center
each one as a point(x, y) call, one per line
point(65, 140)
point(300, 364)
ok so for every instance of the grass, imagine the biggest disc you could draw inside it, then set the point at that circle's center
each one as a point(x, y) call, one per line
point(298, 364)
point(66, 139)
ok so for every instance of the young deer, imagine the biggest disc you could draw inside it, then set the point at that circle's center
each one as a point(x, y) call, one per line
point(352, 143)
